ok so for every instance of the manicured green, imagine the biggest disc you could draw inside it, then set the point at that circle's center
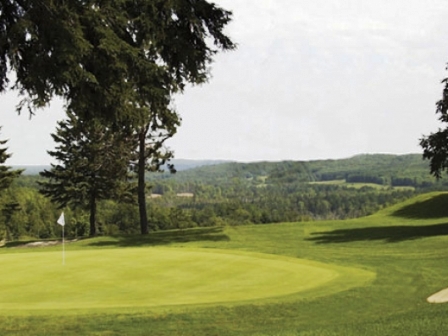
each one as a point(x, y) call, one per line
point(154, 277)
point(405, 246)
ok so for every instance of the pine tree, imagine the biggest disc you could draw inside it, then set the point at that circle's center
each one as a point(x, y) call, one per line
point(92, 165)
point(118, 61)
point(7, 176)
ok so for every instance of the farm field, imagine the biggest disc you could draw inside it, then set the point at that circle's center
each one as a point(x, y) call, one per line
point(367, 276)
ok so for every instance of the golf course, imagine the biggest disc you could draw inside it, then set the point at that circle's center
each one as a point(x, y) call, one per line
point(365, 276)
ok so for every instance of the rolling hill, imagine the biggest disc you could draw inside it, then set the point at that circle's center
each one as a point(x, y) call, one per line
point(382, 169)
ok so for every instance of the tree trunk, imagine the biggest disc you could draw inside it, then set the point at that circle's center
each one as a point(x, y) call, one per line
point(92, 215)
point(141, 188)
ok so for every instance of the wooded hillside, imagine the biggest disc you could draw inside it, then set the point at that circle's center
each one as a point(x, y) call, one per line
point(383, 169)
point(232, 193)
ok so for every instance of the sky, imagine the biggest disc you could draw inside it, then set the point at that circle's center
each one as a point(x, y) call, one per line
point(310, 79)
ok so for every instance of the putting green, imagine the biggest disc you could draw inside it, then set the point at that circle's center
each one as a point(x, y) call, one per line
point(151, 277)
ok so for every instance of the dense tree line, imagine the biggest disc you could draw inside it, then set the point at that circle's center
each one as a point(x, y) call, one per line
point(243, 194)
point(193, 204)
point(237, 203)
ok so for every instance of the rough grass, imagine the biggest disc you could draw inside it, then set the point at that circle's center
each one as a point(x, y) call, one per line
point(407, 251)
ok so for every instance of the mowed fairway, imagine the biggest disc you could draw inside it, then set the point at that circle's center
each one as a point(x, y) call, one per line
point(137, 277)
point(368, 276)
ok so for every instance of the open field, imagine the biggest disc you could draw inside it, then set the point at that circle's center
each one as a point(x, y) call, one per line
point(360, 185)
point(369, 276)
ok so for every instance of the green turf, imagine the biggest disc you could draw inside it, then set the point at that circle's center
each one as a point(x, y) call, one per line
point(153, 277)
point(406, 246)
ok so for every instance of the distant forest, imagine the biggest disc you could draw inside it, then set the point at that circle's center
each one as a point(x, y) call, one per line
point(231, 193)
point(382, 169)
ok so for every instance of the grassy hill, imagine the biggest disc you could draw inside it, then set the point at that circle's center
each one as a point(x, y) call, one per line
point(386, 265)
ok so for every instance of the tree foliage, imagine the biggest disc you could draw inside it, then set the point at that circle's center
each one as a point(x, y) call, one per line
point(93, 163)
point(435, 149)
point(118, 61)
point(7, 175)
point(8, 204)
point(435, 145)
point(106, 57)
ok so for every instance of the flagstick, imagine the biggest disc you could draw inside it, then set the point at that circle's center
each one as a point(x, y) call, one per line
point(63, 247)
point(61, 222)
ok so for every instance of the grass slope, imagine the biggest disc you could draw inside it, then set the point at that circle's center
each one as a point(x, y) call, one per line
point(406, 246)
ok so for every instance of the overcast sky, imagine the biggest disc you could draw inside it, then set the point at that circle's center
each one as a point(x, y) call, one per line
point(311, 79)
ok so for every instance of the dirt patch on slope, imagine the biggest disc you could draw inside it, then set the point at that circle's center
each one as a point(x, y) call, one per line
point(439, 297)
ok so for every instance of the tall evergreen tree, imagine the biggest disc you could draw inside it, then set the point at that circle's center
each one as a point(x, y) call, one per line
point(117, 60)
point(7, 176)
point(93, 163)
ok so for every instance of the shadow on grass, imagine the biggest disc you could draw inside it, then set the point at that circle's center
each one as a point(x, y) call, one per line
point(436, 207)
point(390, 234)
point(165, 238)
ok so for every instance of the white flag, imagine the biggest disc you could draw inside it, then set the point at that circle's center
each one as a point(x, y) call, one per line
point(61, 220)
